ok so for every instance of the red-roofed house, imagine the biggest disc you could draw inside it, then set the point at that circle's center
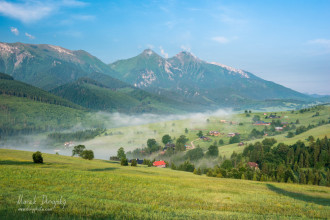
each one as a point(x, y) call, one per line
point(253, 165)
point(159, 164)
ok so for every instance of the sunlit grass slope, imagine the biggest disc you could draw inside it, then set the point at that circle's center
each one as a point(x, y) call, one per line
point(104, 189)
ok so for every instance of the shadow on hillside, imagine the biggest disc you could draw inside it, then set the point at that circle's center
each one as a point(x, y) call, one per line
point(300, 196)
point(104, 169)
point(15, 162)
point(111, 161)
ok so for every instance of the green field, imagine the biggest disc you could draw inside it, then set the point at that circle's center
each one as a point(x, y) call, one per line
point(132, 137)
point(104, 189)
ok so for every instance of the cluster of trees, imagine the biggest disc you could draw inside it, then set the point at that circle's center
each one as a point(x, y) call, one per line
point(314, 108)
point(121, 156)
point(76, 136)
point(172, 146)
point(295, 163)
point(82, 152)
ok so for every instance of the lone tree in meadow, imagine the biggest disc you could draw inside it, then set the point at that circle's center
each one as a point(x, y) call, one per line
point(166, 139)
point(77, 150)
point(121, 153)
point(200, 134)
point(87, 154)
point(37, 157)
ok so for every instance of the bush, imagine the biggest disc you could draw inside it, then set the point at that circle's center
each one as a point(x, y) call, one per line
point(133, 163)
point(124, 162)
point(87, 154)
point(290, 134)
point(37, 157)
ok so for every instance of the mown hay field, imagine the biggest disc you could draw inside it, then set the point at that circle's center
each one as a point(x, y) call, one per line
point(104, 189)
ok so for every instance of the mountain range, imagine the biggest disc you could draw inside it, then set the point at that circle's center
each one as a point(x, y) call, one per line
point(144, 83)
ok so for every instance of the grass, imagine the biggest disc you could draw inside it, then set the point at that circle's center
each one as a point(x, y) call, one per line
point(132, 137)
point(104, 189)
point(318, 132)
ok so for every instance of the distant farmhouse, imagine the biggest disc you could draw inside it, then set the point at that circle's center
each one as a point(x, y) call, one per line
point(160, 164)
point(261, 123)
point(253, 165)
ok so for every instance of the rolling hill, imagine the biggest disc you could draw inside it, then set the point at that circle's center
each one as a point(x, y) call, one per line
point(111, 95)
point(101, 189)
point(25, 109)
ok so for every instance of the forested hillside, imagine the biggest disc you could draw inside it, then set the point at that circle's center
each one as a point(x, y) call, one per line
point(11, 87)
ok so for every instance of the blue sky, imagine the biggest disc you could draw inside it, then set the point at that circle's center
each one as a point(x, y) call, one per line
point(287, 42)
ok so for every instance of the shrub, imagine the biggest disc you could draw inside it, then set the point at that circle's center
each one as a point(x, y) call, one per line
point(124, 162)
point(133, 163)
point(87, 154)
point(290, 134)
point(37, 157)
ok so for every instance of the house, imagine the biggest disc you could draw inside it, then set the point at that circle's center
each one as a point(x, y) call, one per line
point(278, 128)
point(68, 144)
point(169, 145)
point(223, 121)
point(241, 144)
point(261, 123)
point(214, 133)
point(205, 138)
point(253, 165)
point(137, 161)
point(273, 116)
point(232, 134)
point(160, 163)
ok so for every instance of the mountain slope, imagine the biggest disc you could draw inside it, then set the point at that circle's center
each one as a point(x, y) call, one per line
point(11, 87)
point(25, 109)
point(47, 66)
point(112, 97)
point(197, 80)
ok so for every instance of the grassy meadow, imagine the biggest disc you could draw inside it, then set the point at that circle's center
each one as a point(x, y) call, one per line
point(132, 137)
point(104, 189)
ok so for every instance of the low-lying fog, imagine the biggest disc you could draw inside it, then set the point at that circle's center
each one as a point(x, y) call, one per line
point(134, 132)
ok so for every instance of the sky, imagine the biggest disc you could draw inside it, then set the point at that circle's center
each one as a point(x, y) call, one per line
point(287, 42)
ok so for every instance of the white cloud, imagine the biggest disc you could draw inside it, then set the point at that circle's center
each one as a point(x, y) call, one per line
point(163, 52)
point(30, 36)
point(185, 48)
point(14, 31)
point(221, 39)
point(31, 11)
point(322, 42)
